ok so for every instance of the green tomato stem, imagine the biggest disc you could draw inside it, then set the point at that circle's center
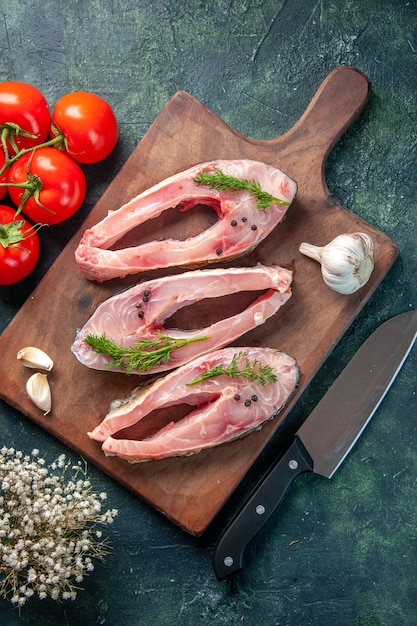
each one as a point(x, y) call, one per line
point(12, 234)
point(10, 160)
point(32, 187)
point(4, 136)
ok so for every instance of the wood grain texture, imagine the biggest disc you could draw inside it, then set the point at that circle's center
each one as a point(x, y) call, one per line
point(190, 491)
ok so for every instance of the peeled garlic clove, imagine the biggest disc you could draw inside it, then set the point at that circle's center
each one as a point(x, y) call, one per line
point(35, 358)
point(39, 391)
point(346, 262)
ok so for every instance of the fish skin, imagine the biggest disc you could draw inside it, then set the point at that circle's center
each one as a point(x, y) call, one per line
point(217, 417)
point(117, 317)
point(97, 262)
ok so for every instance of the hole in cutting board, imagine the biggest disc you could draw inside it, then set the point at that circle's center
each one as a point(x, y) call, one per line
point(171, 224)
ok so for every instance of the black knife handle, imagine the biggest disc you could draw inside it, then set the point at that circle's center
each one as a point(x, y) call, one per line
point(228, 553)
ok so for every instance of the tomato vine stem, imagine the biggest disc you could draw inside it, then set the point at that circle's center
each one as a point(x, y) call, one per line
point(12, 233)
point(10, 160)
point(32, 187)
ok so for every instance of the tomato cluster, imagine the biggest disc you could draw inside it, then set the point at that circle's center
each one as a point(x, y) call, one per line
point(41, 154)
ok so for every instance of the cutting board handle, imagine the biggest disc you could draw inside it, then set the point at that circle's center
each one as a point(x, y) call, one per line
point(336, 104)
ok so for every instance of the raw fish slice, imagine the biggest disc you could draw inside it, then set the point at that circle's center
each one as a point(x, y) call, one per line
point(139, 313)
point(240, 227)
point(225, 407)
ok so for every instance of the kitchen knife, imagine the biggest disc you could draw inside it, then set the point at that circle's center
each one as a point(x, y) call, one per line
point(325, 438)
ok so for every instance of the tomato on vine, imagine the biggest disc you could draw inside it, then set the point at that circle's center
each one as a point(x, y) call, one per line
point(87, 124)
point(47, 185)
point(19, 247)
point(24, 116)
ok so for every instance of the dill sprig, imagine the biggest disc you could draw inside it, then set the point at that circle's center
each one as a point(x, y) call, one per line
point(251, 370)
point(143, 355)
point(219, 180)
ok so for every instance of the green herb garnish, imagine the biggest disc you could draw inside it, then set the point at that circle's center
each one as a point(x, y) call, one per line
point(143, 355)
point(251, 370)
point(218, 180)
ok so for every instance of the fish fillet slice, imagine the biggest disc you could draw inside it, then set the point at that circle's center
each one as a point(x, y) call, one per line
point(240, 227)
point(141, 311)
point(224, 408)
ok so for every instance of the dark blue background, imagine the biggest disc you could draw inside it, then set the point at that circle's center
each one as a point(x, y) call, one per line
point(336, 552)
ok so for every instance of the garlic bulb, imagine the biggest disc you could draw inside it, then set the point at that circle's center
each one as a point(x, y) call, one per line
point(346, 262)
point(39, 391)
point(35, 358)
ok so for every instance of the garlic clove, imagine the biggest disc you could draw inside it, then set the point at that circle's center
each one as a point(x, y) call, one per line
point(346, 262)
point(35, 358)
point(39, 391)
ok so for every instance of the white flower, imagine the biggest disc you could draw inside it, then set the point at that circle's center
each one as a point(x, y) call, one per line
point(39, 510)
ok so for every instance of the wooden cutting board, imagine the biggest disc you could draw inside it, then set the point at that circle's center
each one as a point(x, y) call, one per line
point(190, 491)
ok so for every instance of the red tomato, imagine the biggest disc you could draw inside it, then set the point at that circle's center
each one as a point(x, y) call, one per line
point(52, 187)
point(25, 106)
point(88, 125)
point(19, 246)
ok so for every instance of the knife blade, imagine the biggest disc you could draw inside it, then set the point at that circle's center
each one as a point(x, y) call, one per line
point(327, 435)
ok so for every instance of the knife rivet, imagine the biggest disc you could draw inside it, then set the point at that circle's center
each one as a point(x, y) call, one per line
point(293, 464)
point(228, 561)
point(260, 509)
